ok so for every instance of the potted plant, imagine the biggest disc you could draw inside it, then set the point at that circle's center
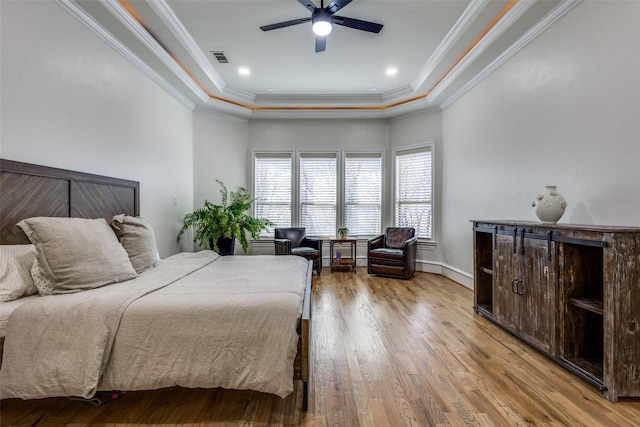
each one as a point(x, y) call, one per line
point(343, 232)
point(217, 226)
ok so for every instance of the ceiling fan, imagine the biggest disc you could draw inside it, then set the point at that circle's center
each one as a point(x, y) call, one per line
point(322, 19)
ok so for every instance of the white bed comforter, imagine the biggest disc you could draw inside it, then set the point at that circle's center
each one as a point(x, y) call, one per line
point(195, 320)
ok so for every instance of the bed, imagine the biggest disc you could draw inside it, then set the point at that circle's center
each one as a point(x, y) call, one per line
point(191, 320)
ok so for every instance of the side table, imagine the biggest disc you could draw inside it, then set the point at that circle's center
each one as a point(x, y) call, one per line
point(337, 259)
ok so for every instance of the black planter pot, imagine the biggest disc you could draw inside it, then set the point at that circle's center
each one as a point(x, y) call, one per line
point(226, 246)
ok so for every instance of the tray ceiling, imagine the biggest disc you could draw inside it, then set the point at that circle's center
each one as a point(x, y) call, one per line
point(439, 49)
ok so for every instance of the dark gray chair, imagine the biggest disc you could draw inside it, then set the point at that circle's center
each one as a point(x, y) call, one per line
point(393, 254)
point(293, 241)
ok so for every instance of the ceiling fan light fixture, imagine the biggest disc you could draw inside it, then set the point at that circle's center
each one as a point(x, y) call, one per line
point(321, 22)
point(321, 28)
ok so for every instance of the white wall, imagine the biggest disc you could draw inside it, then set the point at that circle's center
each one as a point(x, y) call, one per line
point(407, 131)
point(564, 111)
point(220, 151)
point(70, 101)
point(318, 134)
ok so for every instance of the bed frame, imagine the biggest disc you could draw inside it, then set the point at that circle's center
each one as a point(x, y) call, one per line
point(28, 190)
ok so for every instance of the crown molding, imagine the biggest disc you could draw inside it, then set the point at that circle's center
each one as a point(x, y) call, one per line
point(318, 101)
point(496, 31)
point(416, 106)
point(550, 18)
point(215, 113)
point(429, 110)
point(152, 44)
point(166, 14)
point(80, 14)
point(461, 25)
point(226, 107)
point(397, 93)
point(240, 93)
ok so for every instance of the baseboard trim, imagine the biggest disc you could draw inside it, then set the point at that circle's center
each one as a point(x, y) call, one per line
point(461, 277)
point(447, 271)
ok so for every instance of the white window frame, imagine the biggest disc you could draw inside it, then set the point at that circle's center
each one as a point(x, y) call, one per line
point(429, 146)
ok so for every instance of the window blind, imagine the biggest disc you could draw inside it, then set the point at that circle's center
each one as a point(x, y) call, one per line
point(363, 194)
point(272, 184)
point(413, 190)
point(318, 193)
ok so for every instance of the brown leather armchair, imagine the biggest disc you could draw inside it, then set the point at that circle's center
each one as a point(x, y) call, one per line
point(293, 241)
point(393, 254)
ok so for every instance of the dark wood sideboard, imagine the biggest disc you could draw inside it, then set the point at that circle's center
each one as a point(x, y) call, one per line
point(570, 291)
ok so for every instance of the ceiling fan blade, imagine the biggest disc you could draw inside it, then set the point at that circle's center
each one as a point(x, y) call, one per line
point(284, 24)
point(308, 4)
point(336, 5)
point(372, 27)
point(321, 43)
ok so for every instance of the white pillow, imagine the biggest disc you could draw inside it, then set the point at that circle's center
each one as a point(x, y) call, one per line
point(75, 254)
point(15, 271)
point(138, 239)
point(44, 284)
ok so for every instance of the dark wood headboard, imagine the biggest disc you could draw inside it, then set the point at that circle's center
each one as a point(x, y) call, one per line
point(28, 190)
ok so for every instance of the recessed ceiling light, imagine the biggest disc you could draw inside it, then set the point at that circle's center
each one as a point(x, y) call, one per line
point(269, 89)
point(244, 71)
point(391, 71)
point(374, 89)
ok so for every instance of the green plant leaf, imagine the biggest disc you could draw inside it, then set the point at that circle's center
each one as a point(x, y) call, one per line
point(228, 219)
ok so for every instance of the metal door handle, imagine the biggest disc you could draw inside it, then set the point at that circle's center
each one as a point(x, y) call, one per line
point(517, 286)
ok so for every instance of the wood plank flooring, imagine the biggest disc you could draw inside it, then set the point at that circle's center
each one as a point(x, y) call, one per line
point(385, 353)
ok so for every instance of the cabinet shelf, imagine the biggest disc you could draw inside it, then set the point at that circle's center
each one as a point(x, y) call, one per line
point(593, 306)
point(483, 282)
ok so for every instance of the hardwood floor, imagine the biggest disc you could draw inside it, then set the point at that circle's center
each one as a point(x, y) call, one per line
point(385, 353)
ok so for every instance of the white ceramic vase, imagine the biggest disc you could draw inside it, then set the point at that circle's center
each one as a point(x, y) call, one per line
point(550, 205)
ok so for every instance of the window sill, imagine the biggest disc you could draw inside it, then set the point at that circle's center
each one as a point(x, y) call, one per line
point(427, 245)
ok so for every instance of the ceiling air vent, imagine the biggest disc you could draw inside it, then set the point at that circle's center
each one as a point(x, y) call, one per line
point(219, 55)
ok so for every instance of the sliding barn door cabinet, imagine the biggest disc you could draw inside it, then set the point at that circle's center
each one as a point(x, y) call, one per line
point(570, 291)
point(525, 289)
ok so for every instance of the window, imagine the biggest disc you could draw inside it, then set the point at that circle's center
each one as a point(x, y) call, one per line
point(363, 193)
point(272, 188)
point(414, 188)
point(318, 193)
